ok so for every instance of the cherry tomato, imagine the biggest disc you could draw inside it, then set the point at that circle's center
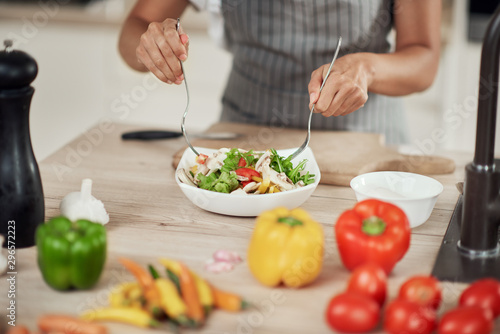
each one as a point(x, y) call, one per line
point(466, 320)
point(242, 162)
point(484, 293)
point(351, 312)
point(201, 158)
point(369, 279)
point(423, 290)
point(406, 317)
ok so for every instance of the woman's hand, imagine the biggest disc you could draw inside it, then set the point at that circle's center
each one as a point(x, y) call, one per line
point(346, 89)
point(161, 48)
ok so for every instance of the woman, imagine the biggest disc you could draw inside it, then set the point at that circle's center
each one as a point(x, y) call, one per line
point(282, 50)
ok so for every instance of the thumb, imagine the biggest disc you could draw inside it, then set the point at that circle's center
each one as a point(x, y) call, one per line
point(183, 36)
point(184, 39)
point(313, 87)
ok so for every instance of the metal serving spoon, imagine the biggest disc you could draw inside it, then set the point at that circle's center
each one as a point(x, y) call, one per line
point(183, 127)
point(306, 142)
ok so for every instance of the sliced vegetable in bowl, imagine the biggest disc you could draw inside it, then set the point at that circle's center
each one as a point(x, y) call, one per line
point(239, 202)
point(241, 171)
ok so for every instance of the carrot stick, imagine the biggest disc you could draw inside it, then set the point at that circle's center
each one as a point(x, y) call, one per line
point(18, 330)
point(68, 325)
point(228, 301)
point(147, 283)
point(190, 295)
point(143, 277)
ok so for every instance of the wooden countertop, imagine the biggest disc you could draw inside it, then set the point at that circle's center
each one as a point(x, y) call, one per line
point(151, 218)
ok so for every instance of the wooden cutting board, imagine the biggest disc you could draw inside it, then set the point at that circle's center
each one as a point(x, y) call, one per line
point(341, 155)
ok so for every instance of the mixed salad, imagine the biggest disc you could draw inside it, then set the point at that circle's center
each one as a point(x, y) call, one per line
point(239, 171)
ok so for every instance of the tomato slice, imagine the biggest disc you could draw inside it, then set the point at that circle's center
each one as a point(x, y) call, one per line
point(423, 290)
point(201, 158)
point(242, 162)
point(247, 172)
point(244, 183)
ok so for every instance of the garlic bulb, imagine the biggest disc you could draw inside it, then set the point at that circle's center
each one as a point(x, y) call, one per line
point(3, 259)
point(82, 205)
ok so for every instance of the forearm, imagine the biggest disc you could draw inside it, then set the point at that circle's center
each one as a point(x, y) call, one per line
point(413, 65)
point(403, 72)
point(129, 40)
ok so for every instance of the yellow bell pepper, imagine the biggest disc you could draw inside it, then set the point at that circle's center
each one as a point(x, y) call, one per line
point(256, 178)
point(286, 247)
point(264, 185)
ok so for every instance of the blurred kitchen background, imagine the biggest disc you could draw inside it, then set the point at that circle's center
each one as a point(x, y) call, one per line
point(83, 81)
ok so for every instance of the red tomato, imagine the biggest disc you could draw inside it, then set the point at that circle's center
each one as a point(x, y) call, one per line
point(351, 312)
point(466, 320)
point(405, 317)
point(247, 172)
point(423, 290)
point(369, 279)
point(201, 158)
point(242, 162)
point(484, 293)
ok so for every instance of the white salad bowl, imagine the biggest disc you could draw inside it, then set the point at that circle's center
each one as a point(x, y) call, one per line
point(415, 194)
point(248, 205)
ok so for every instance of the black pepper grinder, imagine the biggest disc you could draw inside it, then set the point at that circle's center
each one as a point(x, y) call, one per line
point(21, 193)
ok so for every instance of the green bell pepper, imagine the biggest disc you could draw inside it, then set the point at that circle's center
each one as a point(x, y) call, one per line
point(71, 254)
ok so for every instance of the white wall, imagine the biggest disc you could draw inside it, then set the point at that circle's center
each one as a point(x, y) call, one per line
point(461, 62)
point(458, 104)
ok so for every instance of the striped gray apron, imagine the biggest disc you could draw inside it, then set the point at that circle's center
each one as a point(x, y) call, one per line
point(277, 44)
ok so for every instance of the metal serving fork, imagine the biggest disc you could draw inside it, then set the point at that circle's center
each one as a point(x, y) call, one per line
point(306, 142)
point(183, 127)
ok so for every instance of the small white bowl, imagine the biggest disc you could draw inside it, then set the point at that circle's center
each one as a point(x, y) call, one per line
point(415, 194)
point(248, 205)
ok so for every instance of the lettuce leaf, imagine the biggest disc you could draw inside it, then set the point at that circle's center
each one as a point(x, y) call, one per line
point(233, 158)
point(222, 182)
